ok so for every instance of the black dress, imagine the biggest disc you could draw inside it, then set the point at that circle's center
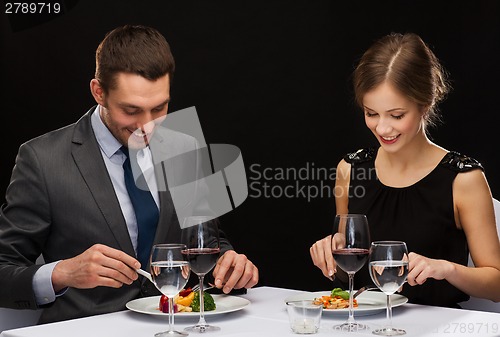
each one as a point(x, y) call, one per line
point(421, 215)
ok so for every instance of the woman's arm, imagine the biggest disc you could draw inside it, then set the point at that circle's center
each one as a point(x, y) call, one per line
point(475, 215)
point(321, 250)
point(474, 205)
point(343, 178)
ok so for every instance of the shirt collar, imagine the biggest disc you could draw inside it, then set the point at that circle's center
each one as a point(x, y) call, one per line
point(107, 142)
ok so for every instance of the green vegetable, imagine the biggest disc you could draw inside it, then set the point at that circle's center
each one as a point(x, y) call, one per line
point(339, 292)
point(208, 301)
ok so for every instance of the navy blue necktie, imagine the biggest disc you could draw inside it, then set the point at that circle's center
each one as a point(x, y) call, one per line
point(146, 211)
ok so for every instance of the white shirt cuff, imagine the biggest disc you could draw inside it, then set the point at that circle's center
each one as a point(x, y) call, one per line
point(42, 285)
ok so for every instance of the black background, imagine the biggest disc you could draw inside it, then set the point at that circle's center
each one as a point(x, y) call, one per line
point(271, 77)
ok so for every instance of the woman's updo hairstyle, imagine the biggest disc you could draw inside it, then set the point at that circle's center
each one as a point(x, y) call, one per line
point(406, 62)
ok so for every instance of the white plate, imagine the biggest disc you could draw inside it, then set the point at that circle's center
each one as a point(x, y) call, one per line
point(223, 303)
point(369, 302)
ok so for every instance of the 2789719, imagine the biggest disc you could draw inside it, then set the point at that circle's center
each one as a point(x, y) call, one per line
point(32, 8)
point(469, 328)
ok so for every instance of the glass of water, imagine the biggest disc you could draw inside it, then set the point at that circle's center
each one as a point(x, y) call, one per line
point(170, 272)
point(388, 267)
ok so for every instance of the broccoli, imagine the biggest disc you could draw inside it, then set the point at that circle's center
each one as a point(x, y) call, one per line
point(341, 293)
point(208, 301)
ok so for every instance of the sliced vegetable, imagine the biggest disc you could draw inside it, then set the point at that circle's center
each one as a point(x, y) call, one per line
point(186, 300)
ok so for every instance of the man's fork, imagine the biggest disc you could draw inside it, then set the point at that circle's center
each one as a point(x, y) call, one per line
point(205, 287)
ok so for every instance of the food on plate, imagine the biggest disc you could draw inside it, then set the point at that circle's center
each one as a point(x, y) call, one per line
point(185, 292)
point(208, 302)
point(338, 299)
point(187, 301)
point(182, 301)
point(163, 307)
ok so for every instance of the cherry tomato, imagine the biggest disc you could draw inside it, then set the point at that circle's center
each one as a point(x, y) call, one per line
point(185, 292)
point(164, 303)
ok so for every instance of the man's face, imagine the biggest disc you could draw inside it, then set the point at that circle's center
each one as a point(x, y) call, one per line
point(133, 108)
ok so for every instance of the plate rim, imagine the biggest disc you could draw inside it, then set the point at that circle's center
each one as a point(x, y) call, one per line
point(129, 306)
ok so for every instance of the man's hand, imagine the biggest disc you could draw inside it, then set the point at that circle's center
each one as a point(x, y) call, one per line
point(234, 270)
point(99, 265)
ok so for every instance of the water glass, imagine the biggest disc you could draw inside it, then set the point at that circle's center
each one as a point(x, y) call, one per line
point(304, 316)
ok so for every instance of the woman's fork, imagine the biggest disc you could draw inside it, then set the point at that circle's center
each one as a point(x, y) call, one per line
point(363, 289)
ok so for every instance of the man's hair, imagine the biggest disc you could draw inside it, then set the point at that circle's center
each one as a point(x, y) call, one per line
point(133, 49)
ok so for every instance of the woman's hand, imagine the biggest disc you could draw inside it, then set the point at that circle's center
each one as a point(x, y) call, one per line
point(420, 268)
point(321, 254)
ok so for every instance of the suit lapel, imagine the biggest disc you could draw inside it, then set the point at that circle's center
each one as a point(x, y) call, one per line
point(89, 160)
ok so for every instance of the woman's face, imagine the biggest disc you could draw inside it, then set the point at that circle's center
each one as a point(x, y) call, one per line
point(394, 120)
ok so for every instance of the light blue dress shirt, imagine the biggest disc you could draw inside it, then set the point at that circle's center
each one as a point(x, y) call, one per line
point(113, 159)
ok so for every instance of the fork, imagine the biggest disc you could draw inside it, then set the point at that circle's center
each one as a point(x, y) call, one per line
point(145, 274)
point(205, 287)
point(363, 289)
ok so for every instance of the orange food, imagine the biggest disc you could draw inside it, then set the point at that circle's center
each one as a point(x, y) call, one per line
point(334, 302)
point(185, 300)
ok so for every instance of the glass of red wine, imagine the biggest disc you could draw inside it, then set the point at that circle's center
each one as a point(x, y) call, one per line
point(200, 234)
point(350, 249)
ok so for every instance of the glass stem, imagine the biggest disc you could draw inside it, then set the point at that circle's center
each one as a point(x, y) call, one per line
point(389, 313)
point(202, 321)
point(170, 313)
point(351, 300)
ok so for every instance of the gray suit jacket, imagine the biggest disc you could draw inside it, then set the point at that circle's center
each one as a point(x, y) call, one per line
point(59, 203)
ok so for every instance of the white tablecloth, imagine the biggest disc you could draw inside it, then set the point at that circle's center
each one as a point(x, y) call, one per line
point(266, 316)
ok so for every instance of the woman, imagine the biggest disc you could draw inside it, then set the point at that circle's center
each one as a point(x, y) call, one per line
point(437, 201)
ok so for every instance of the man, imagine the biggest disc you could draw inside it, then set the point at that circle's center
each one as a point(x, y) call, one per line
point(68, 201)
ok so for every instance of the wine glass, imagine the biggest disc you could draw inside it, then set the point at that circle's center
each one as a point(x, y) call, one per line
point(200, 234)
point(388, 269)
point(170, 272)
point(350, 249)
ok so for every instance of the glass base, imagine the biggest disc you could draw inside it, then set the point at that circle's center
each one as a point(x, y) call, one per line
point(171, 333)
point(389, 332)
point(350, 327)
point(201, 328)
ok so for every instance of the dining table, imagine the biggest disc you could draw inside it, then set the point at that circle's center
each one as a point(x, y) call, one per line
point(265, 314)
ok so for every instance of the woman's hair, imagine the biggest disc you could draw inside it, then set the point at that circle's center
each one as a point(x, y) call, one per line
point(133, 49)
point(406, 62)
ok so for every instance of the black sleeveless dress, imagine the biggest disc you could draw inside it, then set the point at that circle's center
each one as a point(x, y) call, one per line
point(420, 215)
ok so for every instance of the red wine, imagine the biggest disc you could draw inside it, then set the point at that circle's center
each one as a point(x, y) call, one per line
point(202, 260)
point(350, 259)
